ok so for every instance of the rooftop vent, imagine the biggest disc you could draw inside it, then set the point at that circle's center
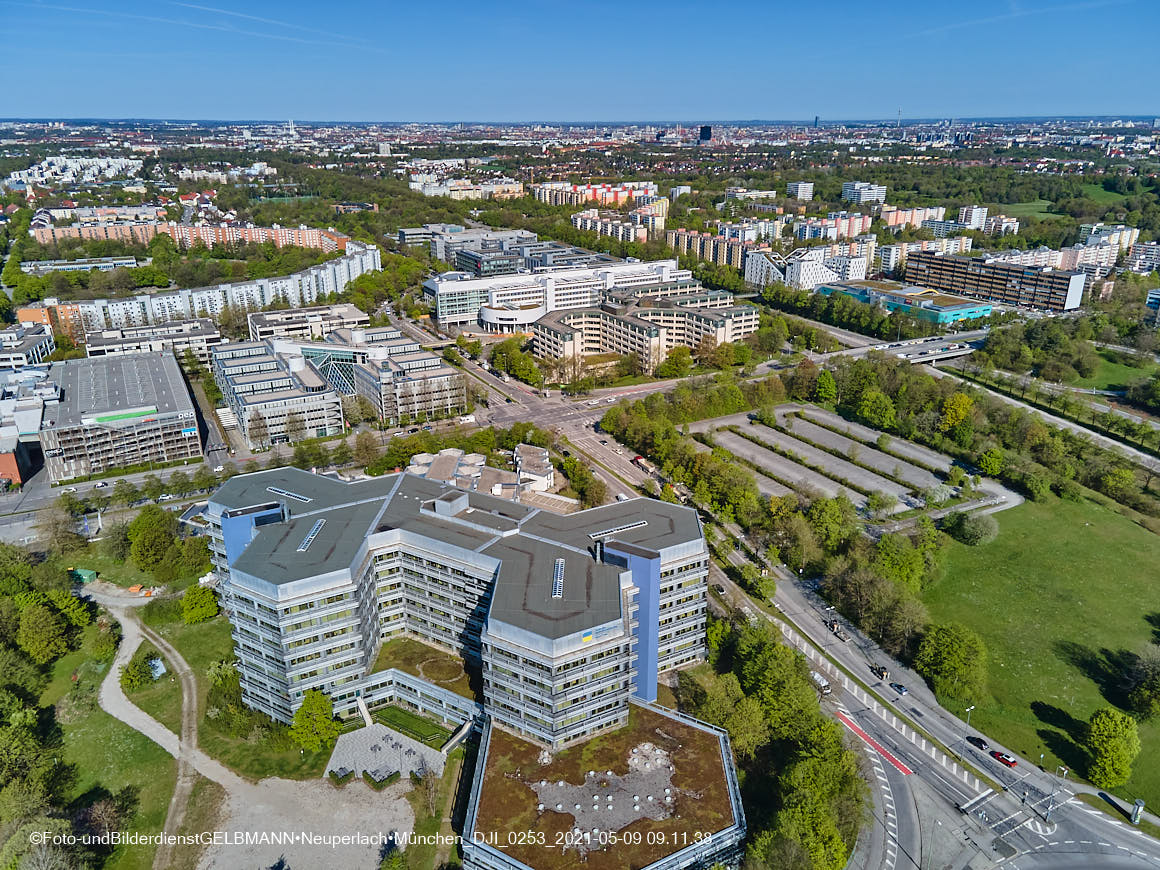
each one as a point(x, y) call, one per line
point(311, 535)
point(616, 530)
point(277, 490)
point(558, 579)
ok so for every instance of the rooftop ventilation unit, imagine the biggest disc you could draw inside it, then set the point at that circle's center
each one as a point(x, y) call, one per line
point(277, 490)
point(558, 579)
point(309, 539)
point(616, 530)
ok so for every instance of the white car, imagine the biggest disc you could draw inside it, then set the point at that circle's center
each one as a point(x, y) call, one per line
point(218, 469)
point(69, 489)
point(101, 485)
point(166, 497)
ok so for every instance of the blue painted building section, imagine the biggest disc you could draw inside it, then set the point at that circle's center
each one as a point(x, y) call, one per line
point(646, 576)
point(920, 303)
point(238, 530)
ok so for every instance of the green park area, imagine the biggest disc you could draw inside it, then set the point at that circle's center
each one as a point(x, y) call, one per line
point(1037, 208)
point(413, 725)
point(1113, 375)
point(1097, 193)
point(114, 765)
point(1061, 599)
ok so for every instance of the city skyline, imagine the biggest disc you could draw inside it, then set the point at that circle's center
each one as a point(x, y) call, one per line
point(525, 62)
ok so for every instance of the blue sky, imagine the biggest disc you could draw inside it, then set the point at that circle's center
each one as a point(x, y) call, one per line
point(577, 59)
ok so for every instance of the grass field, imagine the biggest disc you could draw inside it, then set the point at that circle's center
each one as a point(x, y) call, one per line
point(1111, 375)
point(1035, 208)
point(1059, 598)
point(1096, 193)
point(413, 725)
point(444, 669)
point(161, 699)
point(109, 756)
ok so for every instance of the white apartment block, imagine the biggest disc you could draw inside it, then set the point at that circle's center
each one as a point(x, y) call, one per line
point(973, 217)
point(1001, 225)
point(863, 192)
point(563, 193)
point(300, 289)
point(802, 191)
point(1119, 235)
point(1144, 258)
point(836, 225)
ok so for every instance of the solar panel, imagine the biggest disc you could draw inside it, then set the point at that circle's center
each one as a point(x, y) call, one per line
point(277, 490)
point(311, 535)
point(558, 579)
point(615, 530)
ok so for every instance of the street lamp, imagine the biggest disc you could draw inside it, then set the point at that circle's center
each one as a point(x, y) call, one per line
point(966, 725)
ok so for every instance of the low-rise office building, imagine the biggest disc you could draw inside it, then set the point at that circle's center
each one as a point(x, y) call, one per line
point(198, 337)
point(1004, 283)
point(110, 412)
point(87, 264)
point(25, 345)
point(921, 303)
point(315, 322)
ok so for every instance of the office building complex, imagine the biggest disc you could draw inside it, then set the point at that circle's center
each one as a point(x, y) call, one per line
point(316, 322)
point(25, 345)
point(900, 218)
point(863, 192)
point(891, 257)
point(997, 282)
point(512, 303)
point(484, 264)
point(115, 411)
point(198, 337)
point(101, 264)
point(1144, 258)
point(301, 288)
point(645, 326)
point(802, 191)
point(746, 195)
point(563, 193)
point(465, 188)
point(568, 616)
point(920, 303)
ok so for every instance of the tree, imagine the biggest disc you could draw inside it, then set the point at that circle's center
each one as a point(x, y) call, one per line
point(1144, 683)
point(366, 449)
point(971, 529)
point(151, 534)
point(956, 409)
point(879, 504)
point(41, 634)
point(198, 604)
point(341, 454)
point(825, 388)
point(257, 430)
point(677, 364)
point(1112, 741)
point(953, 659)
point(295, 427)
point(152, 487)
point(992, 462)
point(875, 409)
point(58, 530)
point(125, 493)
point(313, 726)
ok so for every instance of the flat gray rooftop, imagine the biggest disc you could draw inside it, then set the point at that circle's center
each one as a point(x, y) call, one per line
point(527, 541)
point(108, 384)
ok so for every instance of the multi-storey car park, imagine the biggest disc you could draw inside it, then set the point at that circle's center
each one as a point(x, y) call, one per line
point(563, 624)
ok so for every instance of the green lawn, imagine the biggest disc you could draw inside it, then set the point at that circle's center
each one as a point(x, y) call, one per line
point(1059, 597)
point(441, 667)
point(200, 645)
point(1035, 208)
point(1096, 193)
point(161, 699)
point(109, 756)
point(121, 573)
point(1111, 375)
point(413, 725)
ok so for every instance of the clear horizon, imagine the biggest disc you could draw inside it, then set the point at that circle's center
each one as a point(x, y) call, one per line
point(608, 62)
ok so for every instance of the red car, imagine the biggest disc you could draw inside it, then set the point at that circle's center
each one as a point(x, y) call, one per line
point(1004, 759)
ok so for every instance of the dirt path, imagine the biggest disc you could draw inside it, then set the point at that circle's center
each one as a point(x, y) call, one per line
point(186, 772)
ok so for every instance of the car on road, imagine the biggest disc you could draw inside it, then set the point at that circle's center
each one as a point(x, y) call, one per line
point(101, 485)
point(218, 469)
point(880, 672)
point(619, 451)
point(604, 441)
point(720, 590)
point(69, 489)
point(1003, 758)
point(979, 743)
point(900, 689)
point(593, 401)
point(165, 496)
point(413, 430)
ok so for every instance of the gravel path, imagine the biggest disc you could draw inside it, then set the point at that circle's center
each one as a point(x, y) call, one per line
point(263, 811)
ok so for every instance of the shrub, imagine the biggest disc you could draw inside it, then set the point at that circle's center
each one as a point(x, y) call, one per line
point(139, 672)
point(339, 781)
point(974, 529)
point(161, 611)
point(380, 784)
point(199, 604)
